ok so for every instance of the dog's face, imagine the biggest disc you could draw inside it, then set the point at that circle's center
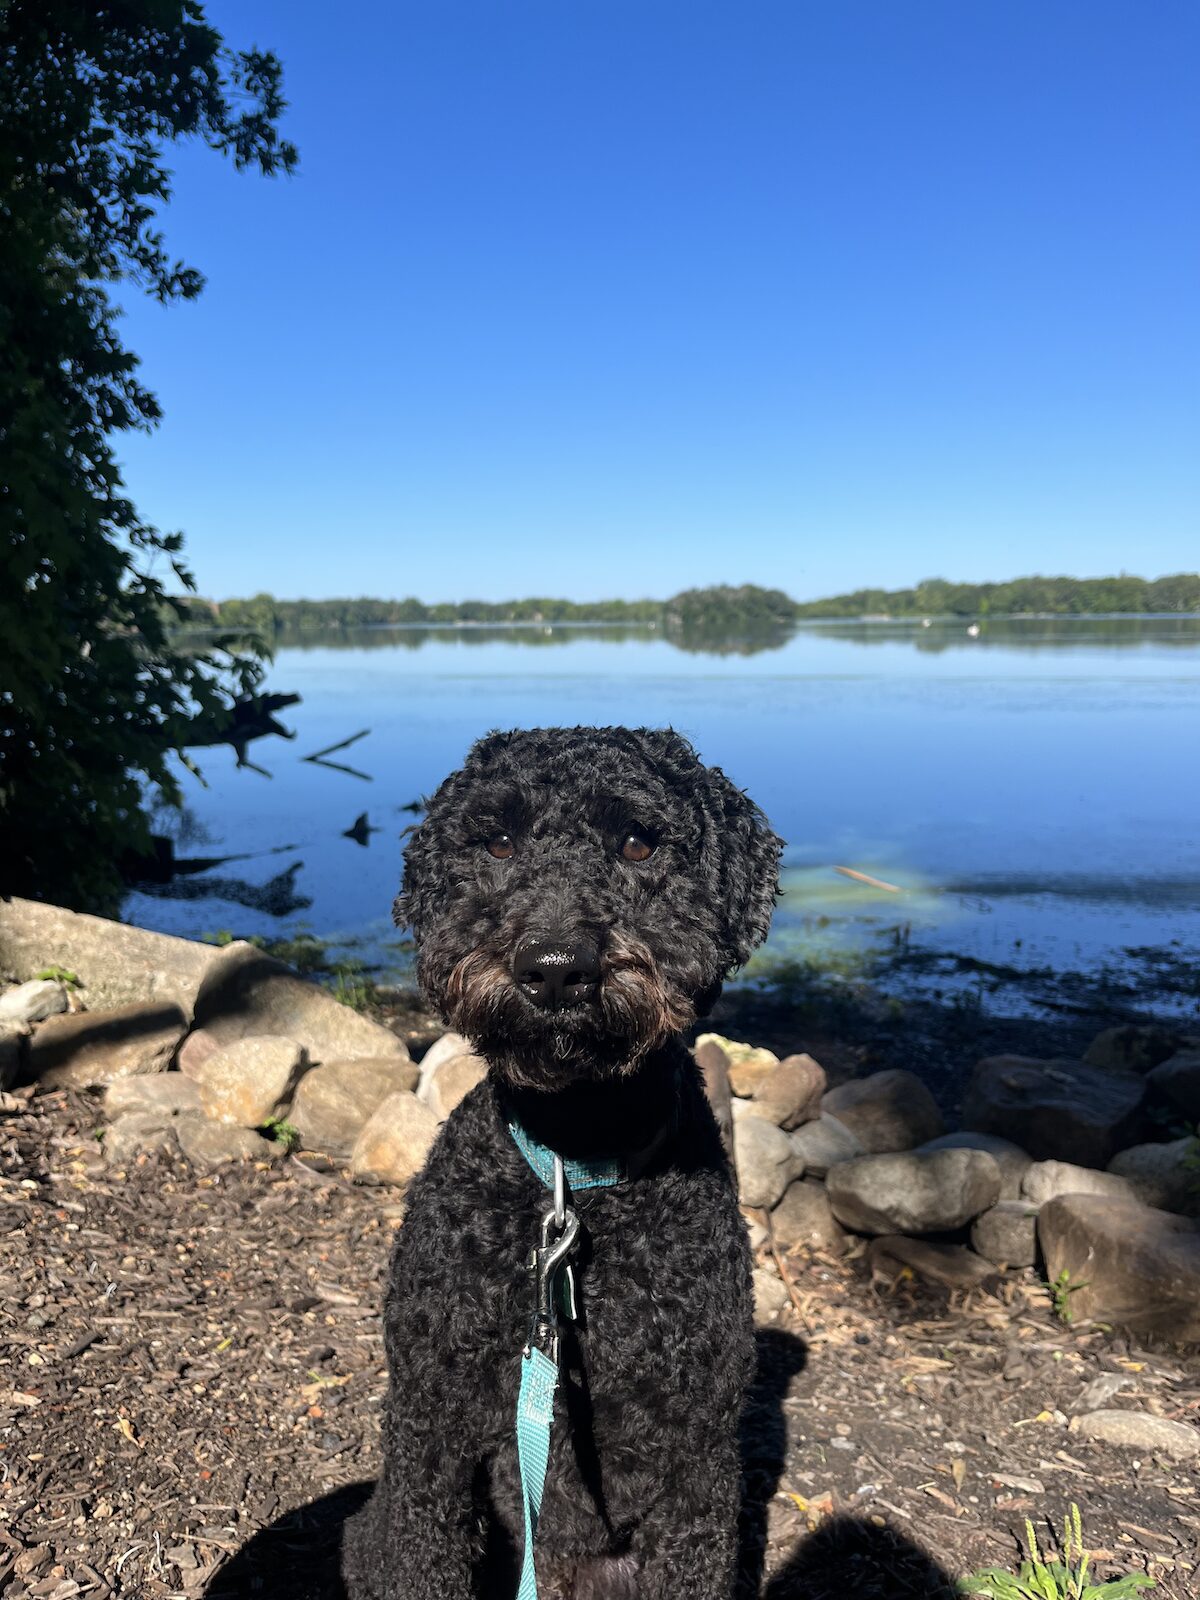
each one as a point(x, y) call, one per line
point(578, 895)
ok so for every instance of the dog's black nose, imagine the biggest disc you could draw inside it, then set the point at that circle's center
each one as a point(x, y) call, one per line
point(556, 972)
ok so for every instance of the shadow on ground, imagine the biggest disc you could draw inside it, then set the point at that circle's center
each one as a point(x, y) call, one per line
point(847, 1558)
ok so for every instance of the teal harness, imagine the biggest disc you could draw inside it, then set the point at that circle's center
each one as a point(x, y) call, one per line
point(554, 1279)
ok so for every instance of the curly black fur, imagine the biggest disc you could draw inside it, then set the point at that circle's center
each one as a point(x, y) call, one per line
point(641, 1498)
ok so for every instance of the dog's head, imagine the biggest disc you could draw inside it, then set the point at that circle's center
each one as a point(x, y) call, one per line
point(578, 895)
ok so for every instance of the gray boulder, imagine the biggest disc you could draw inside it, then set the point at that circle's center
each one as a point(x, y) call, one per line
point(135, 1134)
point(805, 1217)
point(1163, 1175)
point(33, 1001)
point(1006, 1234)
point(770, 1297)
point(951, 1265)
point(1125, 1263)
point(161, 1094)
point(1140, 1430)
point(1135, 1048)
point(714, 1071)
point(1014, 1162)
point(765, 1160)
point(1057, 1110)
point(246, 993)
point(791, 1093)
point(821, 1145)
point(332, 1103)
point(1046, 1179)
point(452, 1081)
point(395, 1141)
point(1178, 1081)
point(887, 1111)
point(208, 1145)
point(905, 1192)
point(250, 1081)
point(117, 965)
point(12, 1053)
point(87, 1049)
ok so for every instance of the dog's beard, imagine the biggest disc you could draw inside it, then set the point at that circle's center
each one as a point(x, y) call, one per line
point(635, 1010)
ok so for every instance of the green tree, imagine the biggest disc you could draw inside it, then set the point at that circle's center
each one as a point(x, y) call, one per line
point(95, 696)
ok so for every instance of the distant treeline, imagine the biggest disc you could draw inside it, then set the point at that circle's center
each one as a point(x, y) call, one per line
point(724, 610)
point(1055, 597)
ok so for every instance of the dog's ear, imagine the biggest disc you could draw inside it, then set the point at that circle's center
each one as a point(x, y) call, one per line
point(743, 855)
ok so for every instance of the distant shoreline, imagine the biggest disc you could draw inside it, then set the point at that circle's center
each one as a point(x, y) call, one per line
point(724, 611)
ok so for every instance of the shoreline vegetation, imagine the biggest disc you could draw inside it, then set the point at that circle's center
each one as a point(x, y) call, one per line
point(724, 610)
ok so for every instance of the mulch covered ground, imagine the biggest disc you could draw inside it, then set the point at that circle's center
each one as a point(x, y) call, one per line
point(191, 1370)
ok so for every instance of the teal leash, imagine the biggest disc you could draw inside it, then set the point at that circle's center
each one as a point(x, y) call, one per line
point(554, 1297)
point(550, 1264)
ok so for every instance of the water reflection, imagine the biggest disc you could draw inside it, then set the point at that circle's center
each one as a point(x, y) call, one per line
point(1021, 634)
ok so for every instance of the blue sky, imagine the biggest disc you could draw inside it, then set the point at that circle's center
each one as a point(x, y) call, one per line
point(613, 297)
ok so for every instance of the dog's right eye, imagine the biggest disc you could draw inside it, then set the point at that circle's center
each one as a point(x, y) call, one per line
point(501, 846)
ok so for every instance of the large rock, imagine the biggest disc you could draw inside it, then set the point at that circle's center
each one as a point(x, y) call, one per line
point(451, 1083)
point(162, 1094)
point(85, 1049)
point(1163, 1175)
point(395, 1141)
point(1006, 1234)
point(1140, 1430)
point(804, 1217)
point(33, 1001)
point(905, 1192)
point(1057, 1110)
point(443, 1049)
point(1178, 1081)
point(1135, 1048)
point(333, 1102)
point(951, 1265)
point(1125, 1263)
point(247, 993)
point(888, 1111)
point(822, 1144)
point(714, 1073)
point(250, 1081)
point(208, 1145)
point(1046, 1179)
point(791, 1093)
point(12, 1052)
point(748, 1064)
point(117, 965)
point(770, 1297)
point(765, 1160)
point(137, 1133)
point(1013, 1161)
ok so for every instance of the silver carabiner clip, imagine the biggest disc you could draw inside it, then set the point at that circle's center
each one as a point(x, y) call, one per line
point(549, 1259)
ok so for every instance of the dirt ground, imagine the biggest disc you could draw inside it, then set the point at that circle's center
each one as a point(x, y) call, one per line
point(191, 1370)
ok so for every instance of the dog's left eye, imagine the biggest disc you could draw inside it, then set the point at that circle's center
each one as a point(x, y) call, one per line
point(636, 847)
point(501, 846)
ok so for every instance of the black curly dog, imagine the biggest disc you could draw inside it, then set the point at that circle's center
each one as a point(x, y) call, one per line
point(577, 897)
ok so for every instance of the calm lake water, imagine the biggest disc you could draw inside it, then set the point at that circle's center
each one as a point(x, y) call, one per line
point(1033, 792)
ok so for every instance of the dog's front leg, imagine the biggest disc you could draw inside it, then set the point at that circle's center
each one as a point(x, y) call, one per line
point(417, 1537)
point(687, 1545)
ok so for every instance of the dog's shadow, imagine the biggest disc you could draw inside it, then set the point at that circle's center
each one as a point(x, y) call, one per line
point(297, 1556)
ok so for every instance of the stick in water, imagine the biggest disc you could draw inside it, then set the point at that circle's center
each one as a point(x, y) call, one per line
point(865, 877)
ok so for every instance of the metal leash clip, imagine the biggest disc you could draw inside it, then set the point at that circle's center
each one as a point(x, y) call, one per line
point(551, 1270)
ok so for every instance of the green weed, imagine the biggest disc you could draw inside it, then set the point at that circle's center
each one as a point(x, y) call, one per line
point(1061, 1291)
point(283, 1132)
point(59, 975)
point(1063, 1579)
